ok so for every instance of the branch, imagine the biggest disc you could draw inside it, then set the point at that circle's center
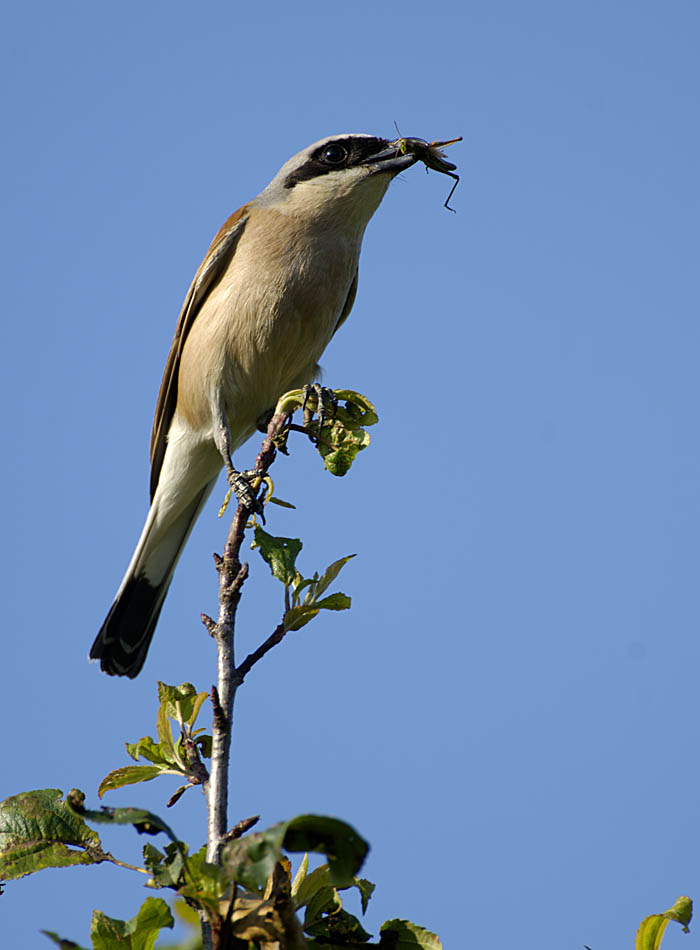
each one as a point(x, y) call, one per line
point(232, 576)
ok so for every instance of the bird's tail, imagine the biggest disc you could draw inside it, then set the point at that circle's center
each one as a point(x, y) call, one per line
point(124, 638)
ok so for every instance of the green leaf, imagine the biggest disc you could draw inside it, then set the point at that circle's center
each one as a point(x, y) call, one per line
point(330, 574)
point(358, 406)
point(342, 451)
point(204, 743)
point(341, 928)
point(144, 821)
point(300, 876)
point(279, 553)
point(139, 933)
point(38, 830)
point(167, 869)
point(403, 935)
point(206, 883)
point(129, 775)
point(366, 889)
point(343, 435)
point(324, 901)
point(652, 928)
point(301, 584)
point(320, 878)
point(191, 876)
point(148, 748)
point(344, 848)
point(167, 756)
point(282, 504)
point(682, 911)
point(167, 759)
point(188, 917)
point(251, 860)
point(165, 736)
point(651, 932)
point(297, 617)
point(61, 941)
point(335, 601)
point(183, 702)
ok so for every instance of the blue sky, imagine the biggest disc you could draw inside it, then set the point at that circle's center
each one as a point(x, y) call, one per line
point(509, 712)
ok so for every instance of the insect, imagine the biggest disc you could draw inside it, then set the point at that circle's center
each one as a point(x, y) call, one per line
point(429, 153)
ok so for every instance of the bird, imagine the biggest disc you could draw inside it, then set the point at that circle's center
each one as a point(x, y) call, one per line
point(278, 280)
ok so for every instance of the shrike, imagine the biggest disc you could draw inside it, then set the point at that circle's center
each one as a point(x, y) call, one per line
point(278, 280)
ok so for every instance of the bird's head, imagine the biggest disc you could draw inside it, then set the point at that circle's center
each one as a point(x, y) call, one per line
point(344, 176)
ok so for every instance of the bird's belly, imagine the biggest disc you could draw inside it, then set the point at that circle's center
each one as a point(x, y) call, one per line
point(255, 339)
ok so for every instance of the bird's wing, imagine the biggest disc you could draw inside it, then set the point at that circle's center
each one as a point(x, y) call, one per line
point(208, 275)
point(349, 301)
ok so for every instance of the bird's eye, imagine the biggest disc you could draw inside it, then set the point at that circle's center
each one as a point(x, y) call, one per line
point(334, 154)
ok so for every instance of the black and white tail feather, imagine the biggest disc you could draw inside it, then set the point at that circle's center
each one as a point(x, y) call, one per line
point(125, 636)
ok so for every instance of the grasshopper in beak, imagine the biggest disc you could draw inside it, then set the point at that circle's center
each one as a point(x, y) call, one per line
point(432, 157)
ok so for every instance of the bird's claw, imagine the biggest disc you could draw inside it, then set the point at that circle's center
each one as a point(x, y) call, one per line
point(326, 404)
point(247, 495)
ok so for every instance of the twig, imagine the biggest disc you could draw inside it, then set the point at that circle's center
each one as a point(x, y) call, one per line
point(275, 637)
point(241, 827)
point(123, 864)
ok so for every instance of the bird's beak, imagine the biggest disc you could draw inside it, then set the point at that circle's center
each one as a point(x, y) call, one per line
point(393, 157)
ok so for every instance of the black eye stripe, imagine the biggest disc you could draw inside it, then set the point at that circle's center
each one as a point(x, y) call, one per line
point(355, 151)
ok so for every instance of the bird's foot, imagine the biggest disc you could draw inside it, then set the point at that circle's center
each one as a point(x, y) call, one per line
point(245, 488)
point(325, 406)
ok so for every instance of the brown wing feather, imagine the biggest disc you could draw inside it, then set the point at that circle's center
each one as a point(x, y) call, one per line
point(349, 301)
point(210, 270)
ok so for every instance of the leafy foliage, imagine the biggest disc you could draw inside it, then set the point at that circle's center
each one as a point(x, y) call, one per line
point(281, 555)
point(251, 860)
point(167, 756)
point(342, 435)
point(38, 830)
point(139, 933)
point(651, 930)
point(403, 935)
point(248, 897)
point(144, 821)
